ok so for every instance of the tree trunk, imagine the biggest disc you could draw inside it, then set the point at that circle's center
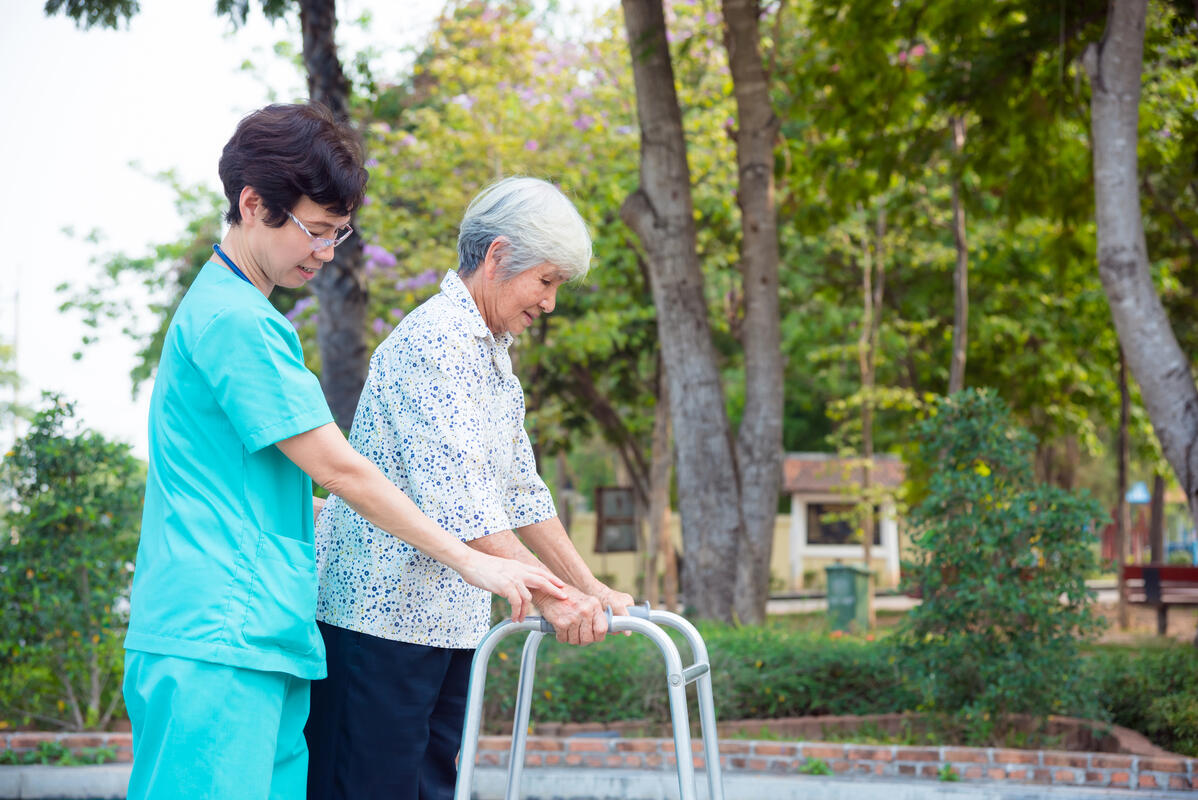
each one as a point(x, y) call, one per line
point(340, 286)
point(1123, 523)
point(873, 276)
point(759, 439)
point(1156, 522)
point(661, 214)
point(660, 546)
point(1148, 342)
point(956, 378)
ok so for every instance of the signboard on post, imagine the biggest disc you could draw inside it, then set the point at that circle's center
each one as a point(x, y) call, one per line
point(615, 520)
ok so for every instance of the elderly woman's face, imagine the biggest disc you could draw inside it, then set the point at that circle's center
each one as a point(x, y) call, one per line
point(520, 300)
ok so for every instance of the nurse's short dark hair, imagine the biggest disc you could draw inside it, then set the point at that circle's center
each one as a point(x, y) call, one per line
point(287, 152)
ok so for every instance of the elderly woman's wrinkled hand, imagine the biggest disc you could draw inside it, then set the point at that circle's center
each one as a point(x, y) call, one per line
point(620, 602)
point(579, 618)
point(512, 580)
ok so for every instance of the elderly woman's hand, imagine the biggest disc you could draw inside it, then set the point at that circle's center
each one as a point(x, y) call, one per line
point(578, 618)
point(619, 601)
point(511, 579)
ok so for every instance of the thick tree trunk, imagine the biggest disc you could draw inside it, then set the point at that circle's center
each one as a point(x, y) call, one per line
point(1153, 354)
point(340, 286)
point(759, 439)
point(956, 377)
point(661, 214)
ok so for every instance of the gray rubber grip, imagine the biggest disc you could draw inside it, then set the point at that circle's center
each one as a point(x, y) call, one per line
point(640, 610)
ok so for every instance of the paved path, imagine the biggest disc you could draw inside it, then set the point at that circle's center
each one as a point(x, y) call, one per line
point(108, 782)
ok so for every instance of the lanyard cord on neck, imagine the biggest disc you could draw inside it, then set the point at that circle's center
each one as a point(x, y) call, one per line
point(232, 266)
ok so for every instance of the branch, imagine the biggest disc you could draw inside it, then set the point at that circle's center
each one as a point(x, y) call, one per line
point(769, 71)
point(638, 213)
point(62, 723)
point(610, 421)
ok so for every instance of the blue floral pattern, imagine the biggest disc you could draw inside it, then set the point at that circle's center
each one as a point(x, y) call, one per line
point(442, 415)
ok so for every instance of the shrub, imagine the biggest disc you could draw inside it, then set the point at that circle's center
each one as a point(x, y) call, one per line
point(771, 672)
point(757, 672)
point(1153, 691)
point(1001, 565)
point(66, 552)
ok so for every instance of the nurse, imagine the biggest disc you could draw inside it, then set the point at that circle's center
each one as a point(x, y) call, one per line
point(222, 639)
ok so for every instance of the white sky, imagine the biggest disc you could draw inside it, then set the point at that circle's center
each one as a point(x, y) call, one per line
point(79, 106)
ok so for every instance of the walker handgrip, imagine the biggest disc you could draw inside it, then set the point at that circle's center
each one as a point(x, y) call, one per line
point(640, 610)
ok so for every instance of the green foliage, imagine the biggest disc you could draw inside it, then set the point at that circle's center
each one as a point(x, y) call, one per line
point(1154, 691)
point(9, 380)
point(54, 753)
point(66, 551)
point(815, 766)
point(754, 676)
point(1001, 565)
point(771, 672)
point(947, 773)
point(94, 13)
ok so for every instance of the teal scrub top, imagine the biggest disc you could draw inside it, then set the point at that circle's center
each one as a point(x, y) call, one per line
point(225, 570)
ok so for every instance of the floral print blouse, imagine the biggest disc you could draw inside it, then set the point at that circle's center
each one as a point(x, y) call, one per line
point(442, 416)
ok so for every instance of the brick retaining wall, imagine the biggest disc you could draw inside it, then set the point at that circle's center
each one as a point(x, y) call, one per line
point(780, 758)
point(24, 741)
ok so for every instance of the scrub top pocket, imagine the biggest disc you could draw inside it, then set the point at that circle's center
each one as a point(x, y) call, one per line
point(281, 611)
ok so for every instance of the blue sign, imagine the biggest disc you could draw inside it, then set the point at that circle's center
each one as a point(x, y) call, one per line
point(1138, 493)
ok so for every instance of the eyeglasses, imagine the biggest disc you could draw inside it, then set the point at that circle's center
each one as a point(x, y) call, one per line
point(319, 243)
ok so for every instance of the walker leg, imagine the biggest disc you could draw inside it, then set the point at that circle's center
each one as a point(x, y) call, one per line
point(528, 668)
point(705, 697)
point(474, 701)
point(682, 737)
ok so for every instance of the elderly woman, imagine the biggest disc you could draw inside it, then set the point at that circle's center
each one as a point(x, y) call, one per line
point(442, 416)
point(222, 639)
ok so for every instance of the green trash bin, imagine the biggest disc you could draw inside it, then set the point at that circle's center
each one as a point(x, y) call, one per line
point(848, 597)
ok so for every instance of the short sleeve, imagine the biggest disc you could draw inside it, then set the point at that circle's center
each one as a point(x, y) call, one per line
point(254, 365)
point(430, 390)
point(527, 499)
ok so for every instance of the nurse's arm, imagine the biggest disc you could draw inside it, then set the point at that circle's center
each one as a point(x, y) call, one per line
point(324, 454)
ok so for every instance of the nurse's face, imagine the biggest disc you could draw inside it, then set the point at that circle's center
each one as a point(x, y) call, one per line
point(285, 254)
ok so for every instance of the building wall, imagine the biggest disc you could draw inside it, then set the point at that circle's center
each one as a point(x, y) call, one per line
point(621, 569)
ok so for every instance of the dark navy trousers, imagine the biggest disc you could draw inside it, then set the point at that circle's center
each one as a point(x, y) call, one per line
point(387, 722)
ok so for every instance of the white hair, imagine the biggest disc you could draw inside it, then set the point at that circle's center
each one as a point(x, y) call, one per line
point(536, 222)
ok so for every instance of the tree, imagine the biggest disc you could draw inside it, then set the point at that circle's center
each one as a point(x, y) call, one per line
point(340, 288)
point(66, 561)
point(10, 409)
point(759, 436)
point(1153, 354)
point(661, 213)
point(1000, 563)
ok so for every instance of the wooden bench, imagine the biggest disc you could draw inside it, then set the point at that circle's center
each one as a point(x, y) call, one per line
point(1161, 585)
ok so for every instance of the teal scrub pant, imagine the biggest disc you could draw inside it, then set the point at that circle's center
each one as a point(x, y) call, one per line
point(206, 731)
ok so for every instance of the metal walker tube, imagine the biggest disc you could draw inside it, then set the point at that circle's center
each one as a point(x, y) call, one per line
point(641, 620)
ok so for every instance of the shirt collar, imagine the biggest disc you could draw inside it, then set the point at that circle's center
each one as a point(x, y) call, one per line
point(460, 299)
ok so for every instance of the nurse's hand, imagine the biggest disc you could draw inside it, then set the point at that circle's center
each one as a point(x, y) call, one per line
point(511, 579)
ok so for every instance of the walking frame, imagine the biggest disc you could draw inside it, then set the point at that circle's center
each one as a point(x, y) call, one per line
point(641, 619)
